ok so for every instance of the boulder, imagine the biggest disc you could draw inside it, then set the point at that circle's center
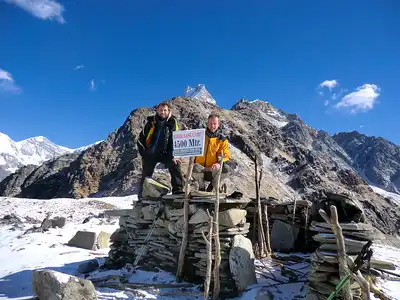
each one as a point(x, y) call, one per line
point(241, 263)
point(231, 217)
point(88, 266)
point(52, 285)
point(90, 240)
point(283, 236)
point(103, 239)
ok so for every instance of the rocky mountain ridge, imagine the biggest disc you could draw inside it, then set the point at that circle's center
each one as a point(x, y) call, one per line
point(376, 159)
point(298, 161)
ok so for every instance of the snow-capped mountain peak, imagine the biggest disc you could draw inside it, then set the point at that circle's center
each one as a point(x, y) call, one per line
point(199, 93)
point(31, 151)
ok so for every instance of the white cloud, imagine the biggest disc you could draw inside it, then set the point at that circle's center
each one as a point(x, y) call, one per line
point(361, 126)
point(330, 84)
point(7, 82)
point(42, 9)
point(92, 85)
point(361, 100)
point(78, 67)
point(326, 103)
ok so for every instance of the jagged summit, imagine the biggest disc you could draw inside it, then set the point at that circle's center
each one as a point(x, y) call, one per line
point(199, 93)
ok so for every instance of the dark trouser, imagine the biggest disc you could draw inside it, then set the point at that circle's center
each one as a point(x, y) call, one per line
point(201, 175)
point(148, 166)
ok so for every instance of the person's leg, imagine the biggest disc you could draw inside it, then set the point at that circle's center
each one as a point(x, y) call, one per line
point(198, 175)
point(176, 177)
point(226, 170)
point(148, 166)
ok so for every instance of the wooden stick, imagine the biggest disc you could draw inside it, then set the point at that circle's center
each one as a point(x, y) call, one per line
point(255, 212)
point(269, 251)
point(209, 256)
point(133, 285)
point(182, 251)
point(337, 230)
point(217, 261)
point(261, 236)
point(361, 281)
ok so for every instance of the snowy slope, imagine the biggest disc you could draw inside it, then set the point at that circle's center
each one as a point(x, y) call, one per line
point(34, 151)
point(395, 197)
point(199, 93)
point(21, 253)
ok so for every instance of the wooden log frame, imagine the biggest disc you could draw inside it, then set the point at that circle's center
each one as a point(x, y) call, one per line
point(182, 251)
point(337, 230)
point(217, 261)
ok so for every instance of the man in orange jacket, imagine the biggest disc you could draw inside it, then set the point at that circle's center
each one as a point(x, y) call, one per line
point(206, 167)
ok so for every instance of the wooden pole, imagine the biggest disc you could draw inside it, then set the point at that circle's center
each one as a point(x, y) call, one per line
point(255, 211)
point(337, 230)
point(217, 254)
point(261, 235)
point(269, 251)
point(209, 256)
point(182, 251)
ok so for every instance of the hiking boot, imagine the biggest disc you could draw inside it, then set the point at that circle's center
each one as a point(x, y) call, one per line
point(222, 188)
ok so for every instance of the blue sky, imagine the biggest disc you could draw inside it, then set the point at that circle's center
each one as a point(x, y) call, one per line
point(336, 64)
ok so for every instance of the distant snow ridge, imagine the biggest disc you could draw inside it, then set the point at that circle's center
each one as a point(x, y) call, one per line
point(199, 93)
point(269, 112)
point(32, 151)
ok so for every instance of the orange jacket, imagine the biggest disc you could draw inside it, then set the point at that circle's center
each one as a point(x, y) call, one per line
point(214, 146)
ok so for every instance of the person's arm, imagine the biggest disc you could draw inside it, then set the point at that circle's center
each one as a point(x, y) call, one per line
point(141, 141)
point(225, 150)
point(174, 127)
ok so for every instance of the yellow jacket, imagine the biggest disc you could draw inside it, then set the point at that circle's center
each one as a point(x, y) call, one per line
point(214, 145)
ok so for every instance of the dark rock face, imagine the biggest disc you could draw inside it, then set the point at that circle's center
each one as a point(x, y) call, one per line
point(298, 161)
point(376, 159)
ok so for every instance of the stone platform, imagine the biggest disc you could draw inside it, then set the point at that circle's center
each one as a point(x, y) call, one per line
point(163, 246)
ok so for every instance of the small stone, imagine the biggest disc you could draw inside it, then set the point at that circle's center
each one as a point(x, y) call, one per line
point(88, 266)
point(169, 213)
point(119, 237)
point(149, 212)
point(58, 222)
point(199, 217)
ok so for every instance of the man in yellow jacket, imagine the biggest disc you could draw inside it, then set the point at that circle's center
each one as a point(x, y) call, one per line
point(206, 167)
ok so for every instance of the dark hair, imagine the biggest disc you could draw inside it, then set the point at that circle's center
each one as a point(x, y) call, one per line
point(164, 104)
point(213, 116)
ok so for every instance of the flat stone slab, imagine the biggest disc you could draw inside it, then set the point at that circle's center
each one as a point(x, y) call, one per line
point(346, 226)
point(118, 212)
point(330, 238)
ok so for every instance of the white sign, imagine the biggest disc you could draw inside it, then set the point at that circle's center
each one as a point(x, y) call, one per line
point(188, 142)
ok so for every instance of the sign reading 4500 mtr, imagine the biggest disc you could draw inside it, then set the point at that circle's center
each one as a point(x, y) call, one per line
point(188, 142)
